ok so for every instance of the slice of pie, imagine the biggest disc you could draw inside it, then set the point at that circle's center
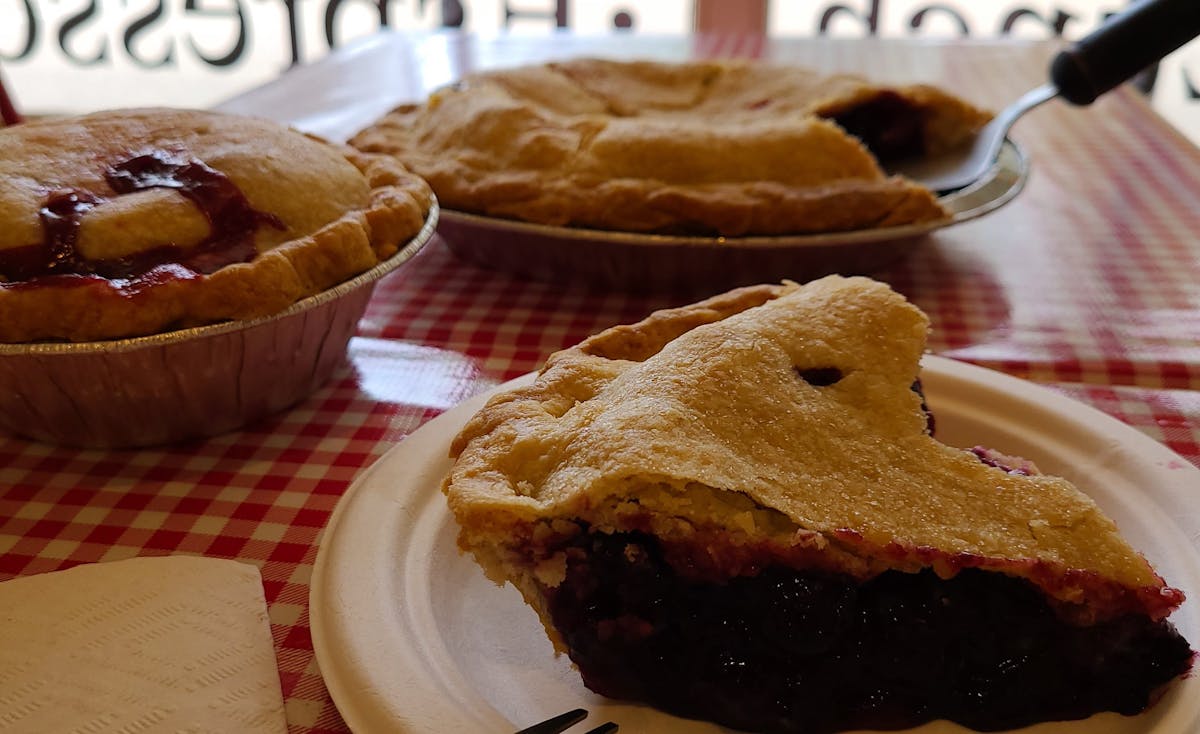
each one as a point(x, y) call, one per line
point(710, 147)
point(736, 511)
point(134, 222)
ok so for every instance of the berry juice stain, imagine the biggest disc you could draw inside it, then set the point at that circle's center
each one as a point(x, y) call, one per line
point(57, 260)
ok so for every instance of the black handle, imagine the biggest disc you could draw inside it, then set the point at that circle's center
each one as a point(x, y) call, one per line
point(1128, 42)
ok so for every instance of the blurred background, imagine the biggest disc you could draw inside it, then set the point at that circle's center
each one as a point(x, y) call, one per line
point(78, 55)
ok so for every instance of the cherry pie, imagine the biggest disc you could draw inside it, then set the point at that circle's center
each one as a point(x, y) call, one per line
point(737, 511)
point(135, 222)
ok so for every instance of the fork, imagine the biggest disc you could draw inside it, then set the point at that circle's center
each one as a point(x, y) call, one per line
point(1124, 45)
point(560, 723)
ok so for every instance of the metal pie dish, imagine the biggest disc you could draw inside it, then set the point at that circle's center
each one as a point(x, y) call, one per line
point(631, 261)
point(189, 383)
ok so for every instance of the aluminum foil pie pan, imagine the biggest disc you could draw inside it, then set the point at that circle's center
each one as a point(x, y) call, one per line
point(189, 383)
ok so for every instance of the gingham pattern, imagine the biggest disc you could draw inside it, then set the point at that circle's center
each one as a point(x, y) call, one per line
point(1089, 282)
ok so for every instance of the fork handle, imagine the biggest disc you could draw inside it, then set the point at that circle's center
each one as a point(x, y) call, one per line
point(1128, 42)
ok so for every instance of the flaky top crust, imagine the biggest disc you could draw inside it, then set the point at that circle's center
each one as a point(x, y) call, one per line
point(722, 147)
point(698, 425)
point(332, 212)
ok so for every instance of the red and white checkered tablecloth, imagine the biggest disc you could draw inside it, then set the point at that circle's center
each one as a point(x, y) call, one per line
point(1088, 282)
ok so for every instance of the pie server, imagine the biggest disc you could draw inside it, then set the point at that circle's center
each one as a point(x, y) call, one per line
point(1125, 44)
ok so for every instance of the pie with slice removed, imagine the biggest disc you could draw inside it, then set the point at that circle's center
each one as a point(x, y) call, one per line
point(736, 511)
point(728, 148)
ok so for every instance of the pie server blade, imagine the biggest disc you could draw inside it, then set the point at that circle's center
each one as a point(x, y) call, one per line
point(1124, 45)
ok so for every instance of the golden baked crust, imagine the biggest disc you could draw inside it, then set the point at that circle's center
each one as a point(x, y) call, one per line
point(134, 222)
point(771, 424)
point(718, 147)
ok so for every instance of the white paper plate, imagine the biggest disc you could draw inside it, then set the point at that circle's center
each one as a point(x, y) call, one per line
point(411, 638)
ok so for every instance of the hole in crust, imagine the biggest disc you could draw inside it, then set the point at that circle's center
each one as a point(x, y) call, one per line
point(819, 376)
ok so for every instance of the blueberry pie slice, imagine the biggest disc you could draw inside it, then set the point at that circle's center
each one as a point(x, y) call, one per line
point(736, 511)
point(728, 147)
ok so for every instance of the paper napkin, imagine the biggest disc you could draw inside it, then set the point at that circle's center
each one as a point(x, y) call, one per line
point(167, 644)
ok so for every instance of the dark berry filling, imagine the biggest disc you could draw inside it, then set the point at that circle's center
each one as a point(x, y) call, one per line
point(930, 421)
point(791, 651)
point(231, 218)
point(889, 125)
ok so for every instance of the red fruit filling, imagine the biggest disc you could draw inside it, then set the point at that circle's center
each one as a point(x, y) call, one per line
point(812, 652)
point(231, 217)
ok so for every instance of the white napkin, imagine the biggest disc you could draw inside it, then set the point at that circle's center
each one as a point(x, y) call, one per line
point(167, 644)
